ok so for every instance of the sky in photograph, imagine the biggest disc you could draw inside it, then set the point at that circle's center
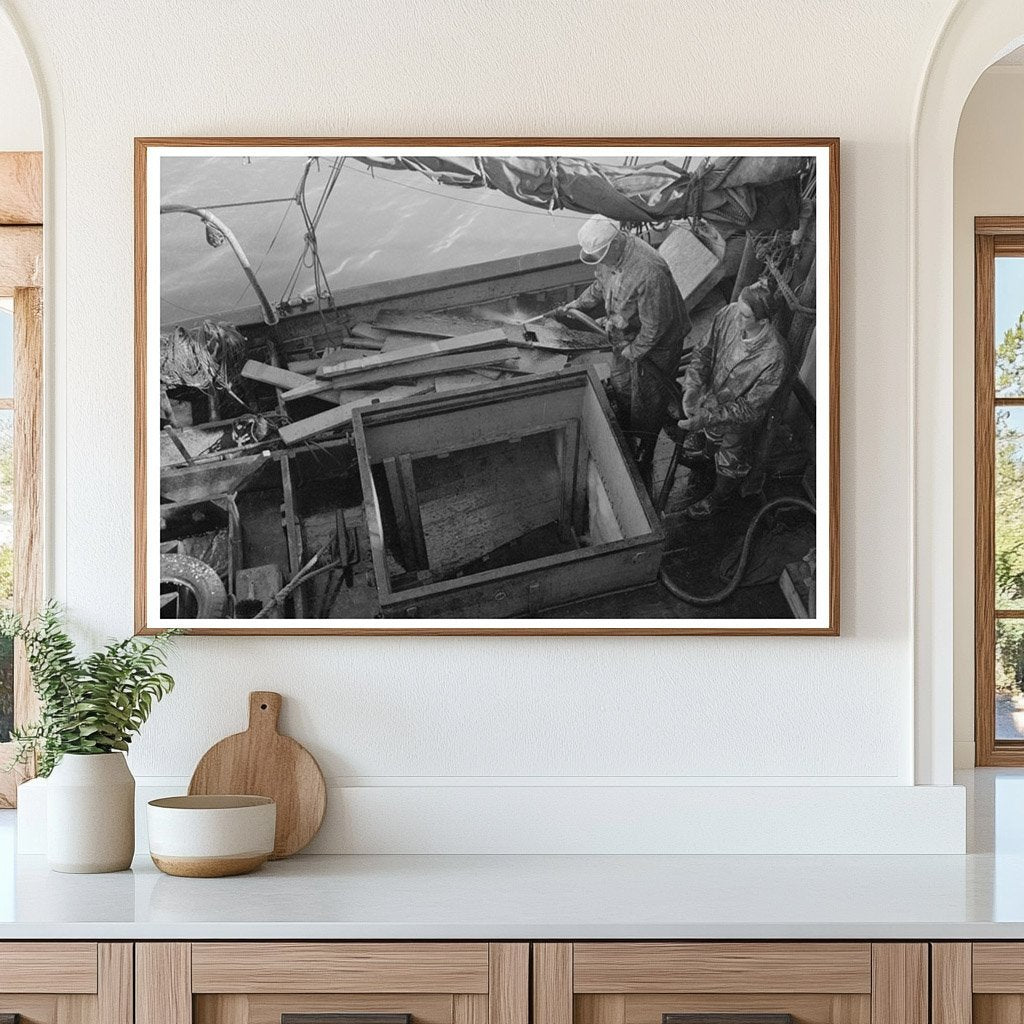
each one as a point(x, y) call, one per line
point(6, 354)
point(1009, 293)
point(375, 227)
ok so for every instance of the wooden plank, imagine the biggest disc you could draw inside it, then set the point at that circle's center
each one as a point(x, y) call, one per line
point(339, 967)
point(224, 1009)
point(999, 226)
point(331, 355)
point(412, 508)
point(721, 967)
point(163, 983)
point(616, 466)
point(998, 967)
point(289, 380)
point(66, 967)
point(538, 361)
point(406, 545)
point(459, 381)
point(552, 983)
point(418, 368)
point(275, 376)
point(997, 1009)
point(21, 259)
point(951, 1000)
point(899, 983)
point(436, 430)
point(369, 332)
point(76, 1009)
point(21, 188)
point(444, 346)
point(985, 753)
point(293, 433)
point(468, 1009)
point(28, 485)
point(115, 983)
point(604, 1009)
point(293, 534)
point(570, 454)
point(508, 993)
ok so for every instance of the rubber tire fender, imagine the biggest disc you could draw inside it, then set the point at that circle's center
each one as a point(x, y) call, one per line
point(201, 579)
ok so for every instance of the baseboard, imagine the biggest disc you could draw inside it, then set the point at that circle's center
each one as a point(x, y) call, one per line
point(526, 819)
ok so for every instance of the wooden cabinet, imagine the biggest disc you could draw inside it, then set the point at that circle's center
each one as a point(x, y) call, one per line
point(760, 982)
point(512, 983)
point(262, 982)
point(978, 983)
point(66, 982)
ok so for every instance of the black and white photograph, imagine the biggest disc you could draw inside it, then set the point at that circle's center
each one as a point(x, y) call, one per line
point(463, 387)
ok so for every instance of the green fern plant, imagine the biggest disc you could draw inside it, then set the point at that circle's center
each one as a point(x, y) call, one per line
point(90, 705)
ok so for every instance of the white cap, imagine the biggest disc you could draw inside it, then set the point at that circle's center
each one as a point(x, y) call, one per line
point(596, 235)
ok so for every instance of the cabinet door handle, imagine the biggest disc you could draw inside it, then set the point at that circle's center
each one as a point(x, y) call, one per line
point(727, 1018)
point(337, 1018)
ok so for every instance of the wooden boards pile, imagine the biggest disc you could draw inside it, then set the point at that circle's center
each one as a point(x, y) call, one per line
point(413, 368)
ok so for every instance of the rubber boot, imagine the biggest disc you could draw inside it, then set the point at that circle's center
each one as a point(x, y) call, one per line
point(725, 490)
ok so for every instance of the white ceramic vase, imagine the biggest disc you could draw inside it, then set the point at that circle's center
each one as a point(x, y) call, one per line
point(90, 814)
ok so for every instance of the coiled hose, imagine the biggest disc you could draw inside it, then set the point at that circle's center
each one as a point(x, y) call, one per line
point(730, 588)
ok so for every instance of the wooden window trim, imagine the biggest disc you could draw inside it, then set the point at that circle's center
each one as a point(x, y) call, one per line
point(993, 236)
point(21, 263)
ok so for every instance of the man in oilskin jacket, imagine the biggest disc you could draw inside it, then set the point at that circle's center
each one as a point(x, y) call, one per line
point(731, 383)
point(646, 322)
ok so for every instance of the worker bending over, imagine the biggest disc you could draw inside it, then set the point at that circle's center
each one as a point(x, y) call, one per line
point(646, 322)
point(728, 391)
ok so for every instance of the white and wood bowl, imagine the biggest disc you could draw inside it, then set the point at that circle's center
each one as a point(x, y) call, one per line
point(211, 836)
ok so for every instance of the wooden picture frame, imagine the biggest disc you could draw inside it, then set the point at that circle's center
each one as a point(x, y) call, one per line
point(547, 273)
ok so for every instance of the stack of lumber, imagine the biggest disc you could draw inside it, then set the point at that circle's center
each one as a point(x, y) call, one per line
point(422, 363)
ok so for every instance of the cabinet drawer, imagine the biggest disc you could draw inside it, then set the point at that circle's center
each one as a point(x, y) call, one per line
point(332, 983)
point(730, 983)
point(66, 982)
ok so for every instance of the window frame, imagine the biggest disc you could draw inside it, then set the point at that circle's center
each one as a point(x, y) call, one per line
point(21, 270)
point(993, 237)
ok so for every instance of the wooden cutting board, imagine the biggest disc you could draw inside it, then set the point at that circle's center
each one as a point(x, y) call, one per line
point(262, 762)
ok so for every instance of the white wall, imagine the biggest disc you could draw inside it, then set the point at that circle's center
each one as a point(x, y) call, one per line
point(21, 127)
point(467, 711)
point(987, 181)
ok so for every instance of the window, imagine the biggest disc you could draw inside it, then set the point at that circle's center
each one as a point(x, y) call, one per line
point(999, 490)
point(6, 512)
point(21, 365)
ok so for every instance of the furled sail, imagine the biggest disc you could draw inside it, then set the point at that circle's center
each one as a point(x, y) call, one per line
point(726, 188)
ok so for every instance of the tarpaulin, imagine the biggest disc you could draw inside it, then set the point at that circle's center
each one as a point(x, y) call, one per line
point(656, 191)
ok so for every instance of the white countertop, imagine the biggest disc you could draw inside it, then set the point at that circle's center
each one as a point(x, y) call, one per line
point(517, 897)
point(977, 896)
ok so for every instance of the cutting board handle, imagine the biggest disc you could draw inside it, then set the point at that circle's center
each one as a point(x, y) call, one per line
point(264, 710)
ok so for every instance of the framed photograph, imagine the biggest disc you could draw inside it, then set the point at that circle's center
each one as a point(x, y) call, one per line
point(500, 386)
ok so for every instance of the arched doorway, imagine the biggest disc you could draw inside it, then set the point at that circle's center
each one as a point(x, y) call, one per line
point(976, 34)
